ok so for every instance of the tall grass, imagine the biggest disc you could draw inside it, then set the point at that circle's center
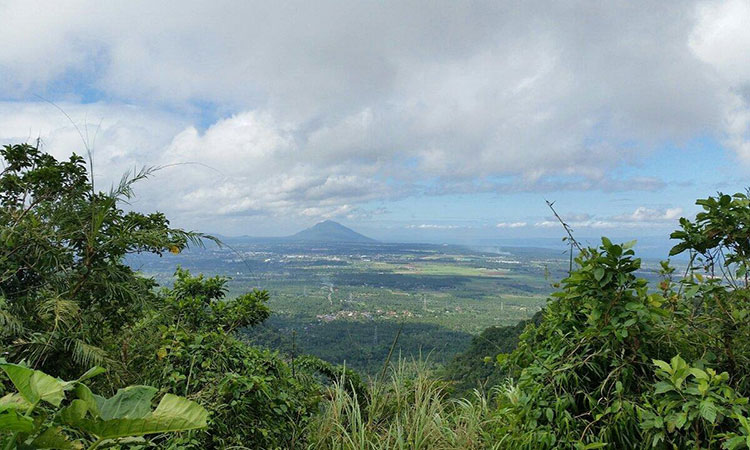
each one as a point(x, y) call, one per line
point(409, 409)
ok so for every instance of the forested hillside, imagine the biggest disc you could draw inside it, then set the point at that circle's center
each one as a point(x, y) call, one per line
point(611, 361)
point(475, 368)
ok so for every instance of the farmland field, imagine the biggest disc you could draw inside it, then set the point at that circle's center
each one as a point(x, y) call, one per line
point(346, 302)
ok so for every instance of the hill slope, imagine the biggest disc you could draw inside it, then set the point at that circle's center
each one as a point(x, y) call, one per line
point(330, 231)
point(469, 370)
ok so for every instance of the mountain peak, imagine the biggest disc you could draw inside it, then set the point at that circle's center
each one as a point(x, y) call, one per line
point(330, 231)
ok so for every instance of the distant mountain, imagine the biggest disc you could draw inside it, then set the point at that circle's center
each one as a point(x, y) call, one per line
point(329, 231)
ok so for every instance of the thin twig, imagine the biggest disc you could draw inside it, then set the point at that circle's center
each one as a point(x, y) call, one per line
point(564, 225)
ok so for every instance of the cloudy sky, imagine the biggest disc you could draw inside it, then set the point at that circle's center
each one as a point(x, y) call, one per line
point(404, 119)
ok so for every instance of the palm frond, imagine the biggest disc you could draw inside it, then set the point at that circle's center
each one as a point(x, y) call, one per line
point(124, 189)
point(9, 324)
point(60, 311)
point(85, 354)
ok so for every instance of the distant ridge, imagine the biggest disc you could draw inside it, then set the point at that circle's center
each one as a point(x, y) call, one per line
point(329, 231)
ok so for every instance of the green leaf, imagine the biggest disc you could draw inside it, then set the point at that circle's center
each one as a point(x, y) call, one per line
point(708, 410)
point(53, 438)
point(679, 248)
point(93, 402)
point(21, 378)
point(91, 373)
point(678, 363)
point(47, 388)
point(173, 414)
point(11, 421)
point(663, 365)
point(662, 387)
point(131, 402)
point(599, 273)
point(698, 373)
point(681, 420)
point(182, 412)
point(14, 401)
point(34, 385)
point(74, 413)
point(734, 443)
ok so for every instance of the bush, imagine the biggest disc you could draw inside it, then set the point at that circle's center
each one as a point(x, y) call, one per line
point(593, 373)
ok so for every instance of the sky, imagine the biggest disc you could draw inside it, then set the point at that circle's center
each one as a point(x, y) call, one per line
point(406, 120)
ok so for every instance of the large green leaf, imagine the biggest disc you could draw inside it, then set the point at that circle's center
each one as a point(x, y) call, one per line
point(180, 413)
point(173, 414)
point(128, 413)
point(54, 438)
point(14, 401)
point(47, 388)
point(75, 413)
point(93, 401)
point(34, 385)
point(11, 421)
point(132, 402)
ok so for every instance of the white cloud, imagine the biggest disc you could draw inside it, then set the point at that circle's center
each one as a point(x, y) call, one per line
point(260, 168)
point(650, 215)
point(511, 224)
point(721, 39)
point(523, 88)
point(595, 224)
point(121, 136)
point(326, 106)
point(432, 226)
point(642, 217)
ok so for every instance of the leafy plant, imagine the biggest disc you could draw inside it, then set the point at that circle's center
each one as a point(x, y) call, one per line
point(691, 407)
point(35, 417)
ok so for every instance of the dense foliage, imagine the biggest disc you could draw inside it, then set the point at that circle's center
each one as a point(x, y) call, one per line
point(187, 346)
point(362, 345)
point(65, 294)
point(67, 301)
point(614, 363)
point(611, 362)
point(474, 368)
